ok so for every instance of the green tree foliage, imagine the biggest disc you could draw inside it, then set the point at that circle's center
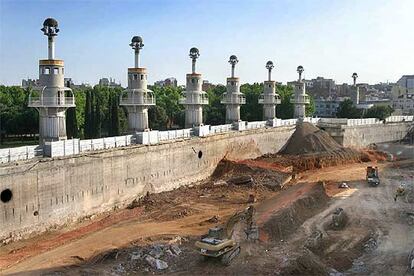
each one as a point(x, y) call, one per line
point(215, 112)
point(113, 127)
point(348, 110)
point(252, 110)
point(98, 114)
point(71, 123)
point(16, 119)
point(285, 109)
point(310, 108)
point(379, 112)
point(167, 98)
point(87, 127)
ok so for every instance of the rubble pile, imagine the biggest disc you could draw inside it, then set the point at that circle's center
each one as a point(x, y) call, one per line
point(151, 258)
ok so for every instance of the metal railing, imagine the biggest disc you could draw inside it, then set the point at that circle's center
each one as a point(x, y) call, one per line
point(137, 100)
point(300, 99)
point(269, 99)
point(58, 101)
point(233, 99)
point(194, 99)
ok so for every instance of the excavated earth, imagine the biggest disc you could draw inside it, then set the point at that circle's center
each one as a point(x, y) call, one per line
point(307, 224)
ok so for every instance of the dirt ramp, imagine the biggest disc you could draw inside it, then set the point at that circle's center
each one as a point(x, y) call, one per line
point(281, 223)
point(307, 138)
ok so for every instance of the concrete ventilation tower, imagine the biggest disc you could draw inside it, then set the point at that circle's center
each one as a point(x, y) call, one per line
point(299, 98)
point(355, 76)
point(233, 98)
point(194, 98)
point(269, 98)
point(137, 98)
point(53, 98)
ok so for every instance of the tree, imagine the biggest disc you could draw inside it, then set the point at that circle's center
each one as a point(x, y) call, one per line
point(71, 123)
point(347, 109)
point(88, 115)
point(379, 112)
point(157, 117)
point(113, 129)
point(252, 110)
point(97, 123)
point(215, 112)
point(285, 109)
point(167, 98)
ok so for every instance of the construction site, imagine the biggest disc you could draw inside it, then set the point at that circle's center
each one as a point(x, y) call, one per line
point(313, 208)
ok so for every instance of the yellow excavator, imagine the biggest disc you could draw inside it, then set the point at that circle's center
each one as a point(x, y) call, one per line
point(220, 243)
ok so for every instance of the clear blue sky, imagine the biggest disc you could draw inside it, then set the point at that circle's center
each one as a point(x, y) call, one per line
point(330, 38)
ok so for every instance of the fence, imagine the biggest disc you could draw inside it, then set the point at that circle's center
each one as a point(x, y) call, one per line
point(75, 146)
point(220, 128)
point(20, 153)
point(174, 134)
point(392, 119)
point(257, 124)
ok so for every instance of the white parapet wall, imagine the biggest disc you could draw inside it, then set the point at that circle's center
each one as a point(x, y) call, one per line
point(20, 153)
point(393, 119)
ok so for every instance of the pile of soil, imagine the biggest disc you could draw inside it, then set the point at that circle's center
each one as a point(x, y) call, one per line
point(283, 223)
point(228, 170)
point(307, 138)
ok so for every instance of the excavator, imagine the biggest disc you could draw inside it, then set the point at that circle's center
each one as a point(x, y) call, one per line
point(372, 176)
point(220, 241)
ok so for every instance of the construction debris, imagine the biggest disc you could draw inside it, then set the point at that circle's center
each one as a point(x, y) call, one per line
point(156, 263)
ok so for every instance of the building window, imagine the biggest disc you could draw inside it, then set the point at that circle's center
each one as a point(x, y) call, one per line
point(192, 80)
point(47, 71)
point(135, 76)
point(55, 71)
point(63, 71)
point(142, 77)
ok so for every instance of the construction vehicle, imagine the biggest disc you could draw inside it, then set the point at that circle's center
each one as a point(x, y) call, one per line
point(411, 262)
point(372, 176)
point(220, 243)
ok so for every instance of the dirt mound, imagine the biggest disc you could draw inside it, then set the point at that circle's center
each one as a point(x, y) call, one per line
point(227, 170)
point(307, 138)
point(284, 222)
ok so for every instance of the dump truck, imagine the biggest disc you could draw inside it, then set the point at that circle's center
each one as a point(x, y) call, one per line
point(372, 176)
point(220, 243)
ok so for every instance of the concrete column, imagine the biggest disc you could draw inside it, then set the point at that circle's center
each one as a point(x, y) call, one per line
point(51, 48)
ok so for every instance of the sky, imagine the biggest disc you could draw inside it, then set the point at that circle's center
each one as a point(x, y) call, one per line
point(329, 38)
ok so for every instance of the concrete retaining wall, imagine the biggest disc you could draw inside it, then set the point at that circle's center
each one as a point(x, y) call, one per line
point(360, 136)
point(55, 191)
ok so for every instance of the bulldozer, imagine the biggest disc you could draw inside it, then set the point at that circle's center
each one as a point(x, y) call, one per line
point(372, 176)
point(219, 243)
